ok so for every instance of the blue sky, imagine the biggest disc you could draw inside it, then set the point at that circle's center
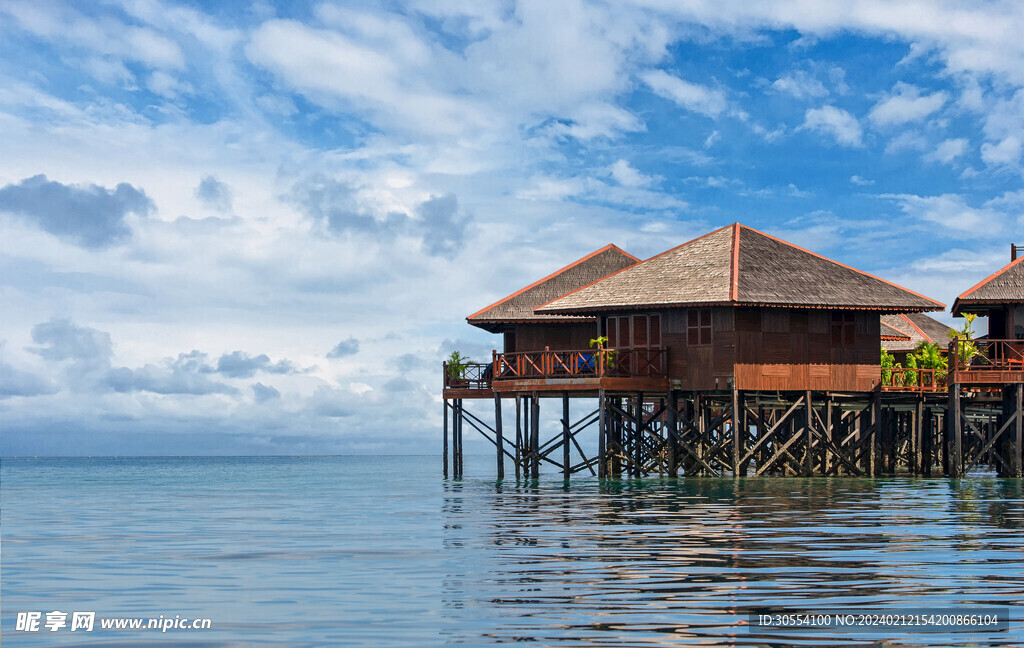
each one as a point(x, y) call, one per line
point(258, 229)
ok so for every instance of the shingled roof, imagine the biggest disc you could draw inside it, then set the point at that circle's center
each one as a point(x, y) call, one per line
point(891, 333)
point(518, 307)
point(1006, 286)
point(918, 327)
point(739, 266)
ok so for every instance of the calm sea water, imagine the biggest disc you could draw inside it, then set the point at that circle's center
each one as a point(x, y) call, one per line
point(367, 551)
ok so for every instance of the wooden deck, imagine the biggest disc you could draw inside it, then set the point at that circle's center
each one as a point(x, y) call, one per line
point(997, 362)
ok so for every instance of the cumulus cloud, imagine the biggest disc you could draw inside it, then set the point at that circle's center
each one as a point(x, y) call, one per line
point(948, 150)
point(906, 104)
point(63, 340)
point(801, 85)
point(214, 194)
point(836, 122)
point(950, 211)
point(15, 382)
point(1006, 151)
point(188, 374)
point(262, 393)
point(861, 182)
point(239, 364)
point(90, 216)
point(443, 225)
point(626, 175)
point(344, 348)
point(692, 96)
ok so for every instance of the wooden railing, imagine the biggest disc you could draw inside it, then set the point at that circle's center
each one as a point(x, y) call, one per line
point(591, 363)
point(994, 361)
point(472, 376)
point(910, 379)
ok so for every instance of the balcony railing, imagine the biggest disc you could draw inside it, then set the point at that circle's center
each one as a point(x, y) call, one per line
point(910, 379)
point(986, 360)
point(591, 363)
point(471, 376)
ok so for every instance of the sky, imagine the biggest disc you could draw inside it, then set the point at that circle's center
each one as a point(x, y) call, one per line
point(258, 229)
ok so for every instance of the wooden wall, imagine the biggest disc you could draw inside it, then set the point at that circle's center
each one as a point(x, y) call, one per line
point(773, 349)
point(557, 337)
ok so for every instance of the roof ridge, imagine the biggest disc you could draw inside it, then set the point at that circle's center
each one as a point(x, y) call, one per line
point(635, 265)
point(991, 277)
point(554, 274)
point(851, 268)
point(917, 328)
point(734, 264)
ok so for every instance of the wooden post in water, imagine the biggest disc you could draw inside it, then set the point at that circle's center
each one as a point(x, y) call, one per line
point(809, 435)
point(876, 416)
point(602, 434)
point(1018, 450)
point(566, 467)
point(672, 436)
point(444, 447)
point(953, 423)
point(738, 435)
point(519, 436)
point(498, 438)
point(638, 441)
point(535, 436)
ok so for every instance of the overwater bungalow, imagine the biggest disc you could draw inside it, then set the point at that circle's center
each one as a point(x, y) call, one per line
point(734, 352)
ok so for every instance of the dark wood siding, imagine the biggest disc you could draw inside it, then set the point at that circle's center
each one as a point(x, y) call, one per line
point(773, 349)
point(557, 337)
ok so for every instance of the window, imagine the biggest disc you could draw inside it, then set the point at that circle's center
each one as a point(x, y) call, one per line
point(698, 326)
point(634, 332)
point(842, 329)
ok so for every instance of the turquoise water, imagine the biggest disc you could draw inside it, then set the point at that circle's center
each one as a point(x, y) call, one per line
point(370, 551)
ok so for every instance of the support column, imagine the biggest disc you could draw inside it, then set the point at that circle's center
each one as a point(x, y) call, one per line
point(1018, 437)
point(738, 435)
point(535, 436)
point(672, 436)
point(917, 447)
point(444, 447)
point(519, 436)
point(875, 453)
point(638, 439)
point(499, 440)
point(809, 435)
point(927, 437)
point(602, 434)
point(955, 432)
point(566, 467)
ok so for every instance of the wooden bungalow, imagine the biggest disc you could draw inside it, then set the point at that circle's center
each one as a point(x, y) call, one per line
point(524, 330)
point(904, 332)
point(739, 309)
point(1000, 298)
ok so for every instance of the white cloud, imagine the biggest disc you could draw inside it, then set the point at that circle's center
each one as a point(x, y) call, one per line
point(906, 141)
point(861, 182)
point(627, 176)
point(906, 104)
point(801, 85)
point(692, 96)
point(952, 212)
point(1005, 152)
point(835, 122)
point(948, 150)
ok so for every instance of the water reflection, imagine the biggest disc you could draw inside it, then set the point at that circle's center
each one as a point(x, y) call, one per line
point(663, 562)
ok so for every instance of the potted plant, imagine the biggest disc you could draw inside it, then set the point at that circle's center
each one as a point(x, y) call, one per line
point(456, 367)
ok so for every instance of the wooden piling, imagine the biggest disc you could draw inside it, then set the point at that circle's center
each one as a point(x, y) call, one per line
point(499, 439)
point(566, 467)
point(535, 436)
point(444, 447)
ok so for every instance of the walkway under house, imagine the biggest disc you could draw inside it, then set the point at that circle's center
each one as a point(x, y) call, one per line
point(737, 354)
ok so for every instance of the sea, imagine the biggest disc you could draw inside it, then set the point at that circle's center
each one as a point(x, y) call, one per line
point(384, 551)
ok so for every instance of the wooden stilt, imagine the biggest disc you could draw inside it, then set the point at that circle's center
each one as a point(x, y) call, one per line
point(1018, 436)
point(809, 435)
point(638, 445)
point(738, 435)
point(534, 436)
point(499, 439)
point(955, 432)
point(672, 434)
point(444, 450)
point(602, 435)
point(566, 443)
